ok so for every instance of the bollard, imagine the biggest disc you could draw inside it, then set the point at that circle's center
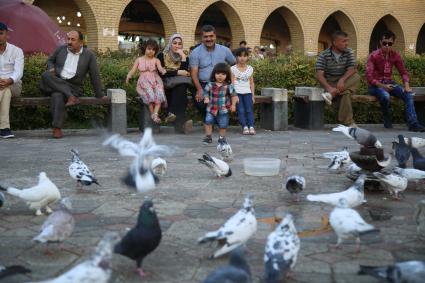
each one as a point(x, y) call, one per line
point(419, 105)
point(117, 121)
point(145, 120)
point(274, 116)
point(309, 107)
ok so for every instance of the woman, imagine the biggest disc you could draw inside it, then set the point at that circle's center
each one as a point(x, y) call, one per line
point(176, 63)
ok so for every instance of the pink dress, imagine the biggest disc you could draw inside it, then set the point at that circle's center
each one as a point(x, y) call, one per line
point(149, 85)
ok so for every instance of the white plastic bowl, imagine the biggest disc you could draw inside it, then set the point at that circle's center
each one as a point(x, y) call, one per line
point(261, 167)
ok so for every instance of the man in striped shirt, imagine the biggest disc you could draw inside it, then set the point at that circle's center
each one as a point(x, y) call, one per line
point(337, 73)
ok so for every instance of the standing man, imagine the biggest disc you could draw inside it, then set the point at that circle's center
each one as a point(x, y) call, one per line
point(11, 70)
point(67, 69)
point(202, 61)
point(381, 84)
point(336, 72)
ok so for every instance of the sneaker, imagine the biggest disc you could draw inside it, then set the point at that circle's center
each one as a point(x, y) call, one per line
point(170, 118)
point(245, 131)
point(417, 128)
point(6, 133)
point(252, 131)
point(327, 97)
point(207, 140)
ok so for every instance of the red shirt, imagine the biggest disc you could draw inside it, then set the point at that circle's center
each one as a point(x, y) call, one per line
point(380, 69)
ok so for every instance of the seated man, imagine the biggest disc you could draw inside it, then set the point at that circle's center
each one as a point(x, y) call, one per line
point(381, 84)
point(336, 72)
point(11, 70)
point(67, 69)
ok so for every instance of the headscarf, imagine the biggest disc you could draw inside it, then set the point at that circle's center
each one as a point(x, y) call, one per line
point(174, 57)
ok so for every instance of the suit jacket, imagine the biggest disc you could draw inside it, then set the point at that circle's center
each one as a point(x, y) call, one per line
point(86, 64)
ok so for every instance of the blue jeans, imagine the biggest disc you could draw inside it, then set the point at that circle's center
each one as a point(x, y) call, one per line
point(222, 119)
point(245, 110)
point(384, 98)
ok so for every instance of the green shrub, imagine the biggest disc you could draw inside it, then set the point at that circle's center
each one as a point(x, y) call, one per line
point(283, 72)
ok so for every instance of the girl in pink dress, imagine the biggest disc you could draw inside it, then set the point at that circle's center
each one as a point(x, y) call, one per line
point(149, 85)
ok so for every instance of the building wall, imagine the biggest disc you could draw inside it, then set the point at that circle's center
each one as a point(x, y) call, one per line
point(247, 17)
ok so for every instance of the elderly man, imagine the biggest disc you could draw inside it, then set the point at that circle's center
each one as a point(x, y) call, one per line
point(11, 69)
point(203, 59)
point(381, 84)
point(67, 69)
point(336, 72)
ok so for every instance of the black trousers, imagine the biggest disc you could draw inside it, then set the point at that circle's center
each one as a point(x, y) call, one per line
point(177, 104)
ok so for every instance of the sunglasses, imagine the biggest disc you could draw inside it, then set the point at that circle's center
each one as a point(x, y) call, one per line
point(387, 43)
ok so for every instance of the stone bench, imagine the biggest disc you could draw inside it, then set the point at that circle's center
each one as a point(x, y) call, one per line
point(117, 102)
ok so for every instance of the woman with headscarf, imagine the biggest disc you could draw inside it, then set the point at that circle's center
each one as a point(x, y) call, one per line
point(176, 63)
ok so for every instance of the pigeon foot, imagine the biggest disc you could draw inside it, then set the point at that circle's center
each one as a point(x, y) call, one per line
point(48, 210)
point(38, 212)
point(142, 274)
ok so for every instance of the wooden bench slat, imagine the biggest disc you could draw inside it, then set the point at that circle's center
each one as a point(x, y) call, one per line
point(263, 99)
point(35, 101)
point(370, 98)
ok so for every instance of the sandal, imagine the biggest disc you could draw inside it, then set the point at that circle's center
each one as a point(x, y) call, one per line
point(155, 118)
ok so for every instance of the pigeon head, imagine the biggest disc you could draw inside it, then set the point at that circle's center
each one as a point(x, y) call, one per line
point(104, 249)
point(287, 224)
point(378, 144)
point(147, 214)
point(359, 183)
point(401, 139)
point(342, 203)
point(75, 154)
point(248, 204)
point(66, 204)
point(42, 175)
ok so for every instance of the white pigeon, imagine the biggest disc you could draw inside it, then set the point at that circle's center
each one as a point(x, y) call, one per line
point(281, 252)
point(338, 158)
point(393, 182)
point(96, 269)
point(354, 195)
point(225, 150)
point(362, 136)
point(58, 226)
point(353, 171)
point(337, 162)
point(295, 184)
point(347, 223)
point(410, 173)
point(40, 196)
point(140, 174)
point(219, 167)
point(159, 166)
point(414, 142)
point(235, 232)
point(80, 172)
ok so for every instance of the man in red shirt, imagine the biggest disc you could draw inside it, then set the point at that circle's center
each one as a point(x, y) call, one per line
point(381, 84)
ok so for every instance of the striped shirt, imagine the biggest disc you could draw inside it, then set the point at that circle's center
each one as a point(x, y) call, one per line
point(332, 66)
point(219, 97)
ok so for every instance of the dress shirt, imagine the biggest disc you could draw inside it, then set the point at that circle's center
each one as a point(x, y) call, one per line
point(379, 69)
point(71, 64)
point(12, 63)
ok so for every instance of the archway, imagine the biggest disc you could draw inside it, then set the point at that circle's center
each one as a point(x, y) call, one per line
point(387, 22)
point(420, 43)
point(337, 21)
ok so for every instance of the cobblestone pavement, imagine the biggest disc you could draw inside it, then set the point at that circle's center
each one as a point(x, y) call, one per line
point(190, 201)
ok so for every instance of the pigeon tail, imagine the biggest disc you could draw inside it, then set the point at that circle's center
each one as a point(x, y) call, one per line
point(343, 129)
point(12, 270)
point(370, 231)
point(14, 192)
point(209, 237)
point(3, 188)
point(275, 271)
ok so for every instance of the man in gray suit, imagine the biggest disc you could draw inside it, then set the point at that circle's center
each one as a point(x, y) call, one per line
point(67, 69)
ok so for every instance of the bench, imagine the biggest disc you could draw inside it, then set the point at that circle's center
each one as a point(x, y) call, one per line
point(117, 118)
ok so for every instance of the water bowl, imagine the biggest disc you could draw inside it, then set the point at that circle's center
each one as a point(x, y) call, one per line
point(261, 167)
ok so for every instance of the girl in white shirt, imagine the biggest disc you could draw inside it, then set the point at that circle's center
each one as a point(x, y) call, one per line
point(243, 80)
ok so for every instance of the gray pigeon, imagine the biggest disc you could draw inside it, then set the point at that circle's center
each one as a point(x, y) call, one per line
point(418, 159)
point(401, 152)
point(295, 184)
point(401, 272)
point(6, 271)
point(362, 136)
point(237, 271)
point(281, 252)
point(80, 172)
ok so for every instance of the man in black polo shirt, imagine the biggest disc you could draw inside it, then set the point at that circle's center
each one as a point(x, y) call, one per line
point(337, 73)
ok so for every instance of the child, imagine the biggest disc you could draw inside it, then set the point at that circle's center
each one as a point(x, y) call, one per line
point(243, 80)
point(149, 85)
point(219, 95)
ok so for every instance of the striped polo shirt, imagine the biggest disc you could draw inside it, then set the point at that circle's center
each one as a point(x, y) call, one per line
point(335, 67)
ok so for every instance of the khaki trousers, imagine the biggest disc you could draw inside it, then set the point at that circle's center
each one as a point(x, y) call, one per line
point(5, 96)
point(343, 101)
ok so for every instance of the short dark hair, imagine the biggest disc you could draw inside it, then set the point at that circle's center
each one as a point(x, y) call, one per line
point(241, 50)
point(338, 33)
point(208, 28)
point(388, 35)
point(242, 42)
point(221, 68)
point(149, 43)
point(80, 35)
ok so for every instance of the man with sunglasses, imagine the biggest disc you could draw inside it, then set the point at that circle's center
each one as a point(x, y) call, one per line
point(381, 84)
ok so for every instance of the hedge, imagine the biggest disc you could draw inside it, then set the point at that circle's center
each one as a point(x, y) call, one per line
point(284, 72)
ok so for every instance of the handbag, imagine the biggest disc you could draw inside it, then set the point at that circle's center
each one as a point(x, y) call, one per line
point(171, 82)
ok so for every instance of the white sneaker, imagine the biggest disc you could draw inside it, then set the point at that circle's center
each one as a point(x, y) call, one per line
point(327, 97)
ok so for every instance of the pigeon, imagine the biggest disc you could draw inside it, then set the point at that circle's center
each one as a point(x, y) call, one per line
point(401, 272)
point(6, 271)
point(354, 195)
point(347, 222)
point(237, 271)
point(410, 173)
point(337, 162)
point(80, 172)
point(140, 174)
point(353, 171)
point(420, 218)
point(143, 238)
point(40, 196)
point(281, 252)
point(362, 136)
point(1, 199)
point(401, 152)
point(393, 182)
point(219, 167)
point(235, 232)
point(295, 184)
point(413, 142)
point(96, 269)
point(58, 226)
point(225, 151)
point(418, 159)
point(339, 158)
point(159, 166)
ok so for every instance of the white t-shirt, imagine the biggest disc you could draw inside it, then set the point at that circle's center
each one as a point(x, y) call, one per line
point(242, 79)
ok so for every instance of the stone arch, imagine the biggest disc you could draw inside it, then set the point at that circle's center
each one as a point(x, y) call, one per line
point(288, 30)
point(420, 42)
point(387, 22)
point(337, 20)
point(236, 28)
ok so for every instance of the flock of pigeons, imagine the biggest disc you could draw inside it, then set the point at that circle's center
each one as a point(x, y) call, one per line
point(283, 244)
